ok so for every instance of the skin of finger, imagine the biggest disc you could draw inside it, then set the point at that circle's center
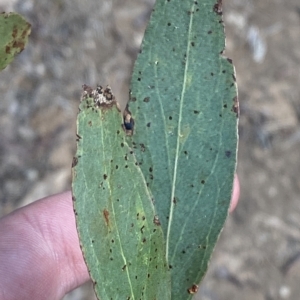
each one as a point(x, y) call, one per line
point(235, 194)
point(40, 257)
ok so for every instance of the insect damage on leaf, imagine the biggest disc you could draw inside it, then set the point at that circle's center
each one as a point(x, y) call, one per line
point(193, 289)
point(103, 97)
point(128, 124)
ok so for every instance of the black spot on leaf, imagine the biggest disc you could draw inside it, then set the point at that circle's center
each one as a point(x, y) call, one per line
point(74, 162)
point(228, 153)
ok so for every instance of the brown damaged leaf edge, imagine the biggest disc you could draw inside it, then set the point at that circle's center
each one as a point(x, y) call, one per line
point(105, 99)
point(193, 289)
point(74, 161)
point(15, 32)
point(235, 106)
point(218, 7)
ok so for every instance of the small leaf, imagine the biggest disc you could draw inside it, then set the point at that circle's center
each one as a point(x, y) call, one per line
point(121, 239)
point(14, 32)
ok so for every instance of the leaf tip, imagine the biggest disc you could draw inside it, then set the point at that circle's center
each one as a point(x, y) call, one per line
point(103, 97)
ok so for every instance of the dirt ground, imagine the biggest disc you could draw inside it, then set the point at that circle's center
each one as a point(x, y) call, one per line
point(96, 41)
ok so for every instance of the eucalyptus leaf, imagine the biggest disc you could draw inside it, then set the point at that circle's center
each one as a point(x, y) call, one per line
point(184, 105)
point(120, 234)
point(14, 32)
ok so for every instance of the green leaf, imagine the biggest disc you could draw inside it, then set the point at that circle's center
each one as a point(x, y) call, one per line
point(14, 32)
point(121, 238)
point(175, 165)
point(184, 105)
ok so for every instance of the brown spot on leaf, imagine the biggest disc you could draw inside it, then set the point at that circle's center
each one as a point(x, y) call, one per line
point(7, 50)
point(218, 7)
point(235, 106)
point(229, 60)
point(106, 216)
point(87, 89)
point(156, 221)
point(19, 44)
point(26, 31)
point(74, 161)
point(193, 289)
point(15, 32)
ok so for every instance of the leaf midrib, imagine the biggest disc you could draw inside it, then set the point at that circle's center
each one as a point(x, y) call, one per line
point(178, 134)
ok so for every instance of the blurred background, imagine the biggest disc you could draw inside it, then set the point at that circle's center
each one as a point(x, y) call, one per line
point(96, 41)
